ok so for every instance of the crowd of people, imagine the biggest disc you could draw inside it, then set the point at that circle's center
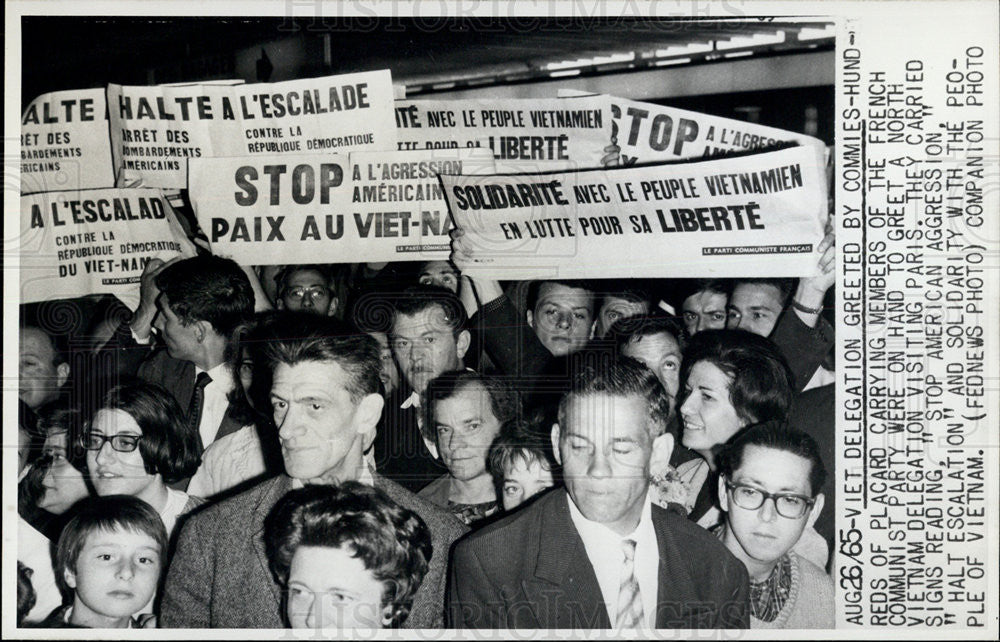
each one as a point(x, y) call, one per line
point(400, 445)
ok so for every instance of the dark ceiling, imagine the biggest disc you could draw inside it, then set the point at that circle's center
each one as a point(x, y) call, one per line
point(70, 52)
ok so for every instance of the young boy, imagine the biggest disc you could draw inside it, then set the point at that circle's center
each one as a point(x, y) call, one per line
point(520, 466)
point(769, 481)
point(109, 558)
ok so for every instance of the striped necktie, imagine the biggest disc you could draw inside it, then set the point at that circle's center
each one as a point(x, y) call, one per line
point(630, 614)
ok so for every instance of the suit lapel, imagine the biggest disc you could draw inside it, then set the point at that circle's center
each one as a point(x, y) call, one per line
point(278, 488)
point(185, 384)
point(564, 592)
point(676, 597)
point(229, 423)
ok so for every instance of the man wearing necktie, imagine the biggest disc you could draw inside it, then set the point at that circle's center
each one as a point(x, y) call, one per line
point(598, 554)
point(197, 305)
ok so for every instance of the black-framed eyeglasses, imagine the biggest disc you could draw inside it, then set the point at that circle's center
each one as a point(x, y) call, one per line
point(788, 505)
point(121, 443)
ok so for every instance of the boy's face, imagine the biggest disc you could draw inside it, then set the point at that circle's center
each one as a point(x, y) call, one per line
point(763, 535)
point(662, 354)
point(389, 373)
point(522, 481)
point(116, 574)
point(563, 318)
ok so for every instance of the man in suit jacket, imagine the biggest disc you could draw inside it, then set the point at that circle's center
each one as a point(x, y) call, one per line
point(326, 401)
point(197, 306)
point(598, 554)
point(428, 337)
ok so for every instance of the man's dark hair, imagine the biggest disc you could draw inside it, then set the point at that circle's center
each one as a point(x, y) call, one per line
point(417, 298)
point(535, 289)
point(777, 436)
point(631, 329)
point(679, 290)
point(110, 513)
point(392, 542)
point(298, 337)
point(633, 291)
point(618, 376)
point(785, 287)
point(169, 445)
point(761, 383)
point(505, 402)
point(208, 288)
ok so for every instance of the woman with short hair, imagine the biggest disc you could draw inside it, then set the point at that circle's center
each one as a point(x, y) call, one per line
point(138, 443)
point(348, 557)
point(730, 379)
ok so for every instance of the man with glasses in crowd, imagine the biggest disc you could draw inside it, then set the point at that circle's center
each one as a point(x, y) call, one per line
point(308, 288)
point(769, 481)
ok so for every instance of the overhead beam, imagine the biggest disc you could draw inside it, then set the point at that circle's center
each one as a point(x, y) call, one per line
point(751, 74)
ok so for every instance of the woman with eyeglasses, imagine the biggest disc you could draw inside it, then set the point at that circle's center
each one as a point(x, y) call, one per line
point(137, 443)
point(769, 481)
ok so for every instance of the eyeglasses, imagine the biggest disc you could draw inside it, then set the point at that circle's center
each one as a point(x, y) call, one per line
point(788, 505)
point(121, 443)
point(313, 292)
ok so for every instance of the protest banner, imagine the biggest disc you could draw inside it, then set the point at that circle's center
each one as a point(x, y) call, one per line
point(525, 135)
point(155, 130)
point(328, 208)
point(650, 133)
point(64, 142)
point(717, 218)
point(94, 242)
point(406, 183)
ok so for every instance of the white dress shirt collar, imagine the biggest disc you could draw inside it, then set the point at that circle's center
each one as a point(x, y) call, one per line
point(216, 401)
point(603, 547)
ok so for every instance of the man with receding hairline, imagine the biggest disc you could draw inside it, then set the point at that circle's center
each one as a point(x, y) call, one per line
point(326, 403)
point(598, 554)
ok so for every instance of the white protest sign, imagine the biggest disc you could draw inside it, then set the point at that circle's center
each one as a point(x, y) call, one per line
point(156, 130)
point(760, 215)
point(64, 142)
point(282, 209)
point(656, 133)
point(646, 132)
point(405, 184)
point(94, 242)
point(527, 134)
